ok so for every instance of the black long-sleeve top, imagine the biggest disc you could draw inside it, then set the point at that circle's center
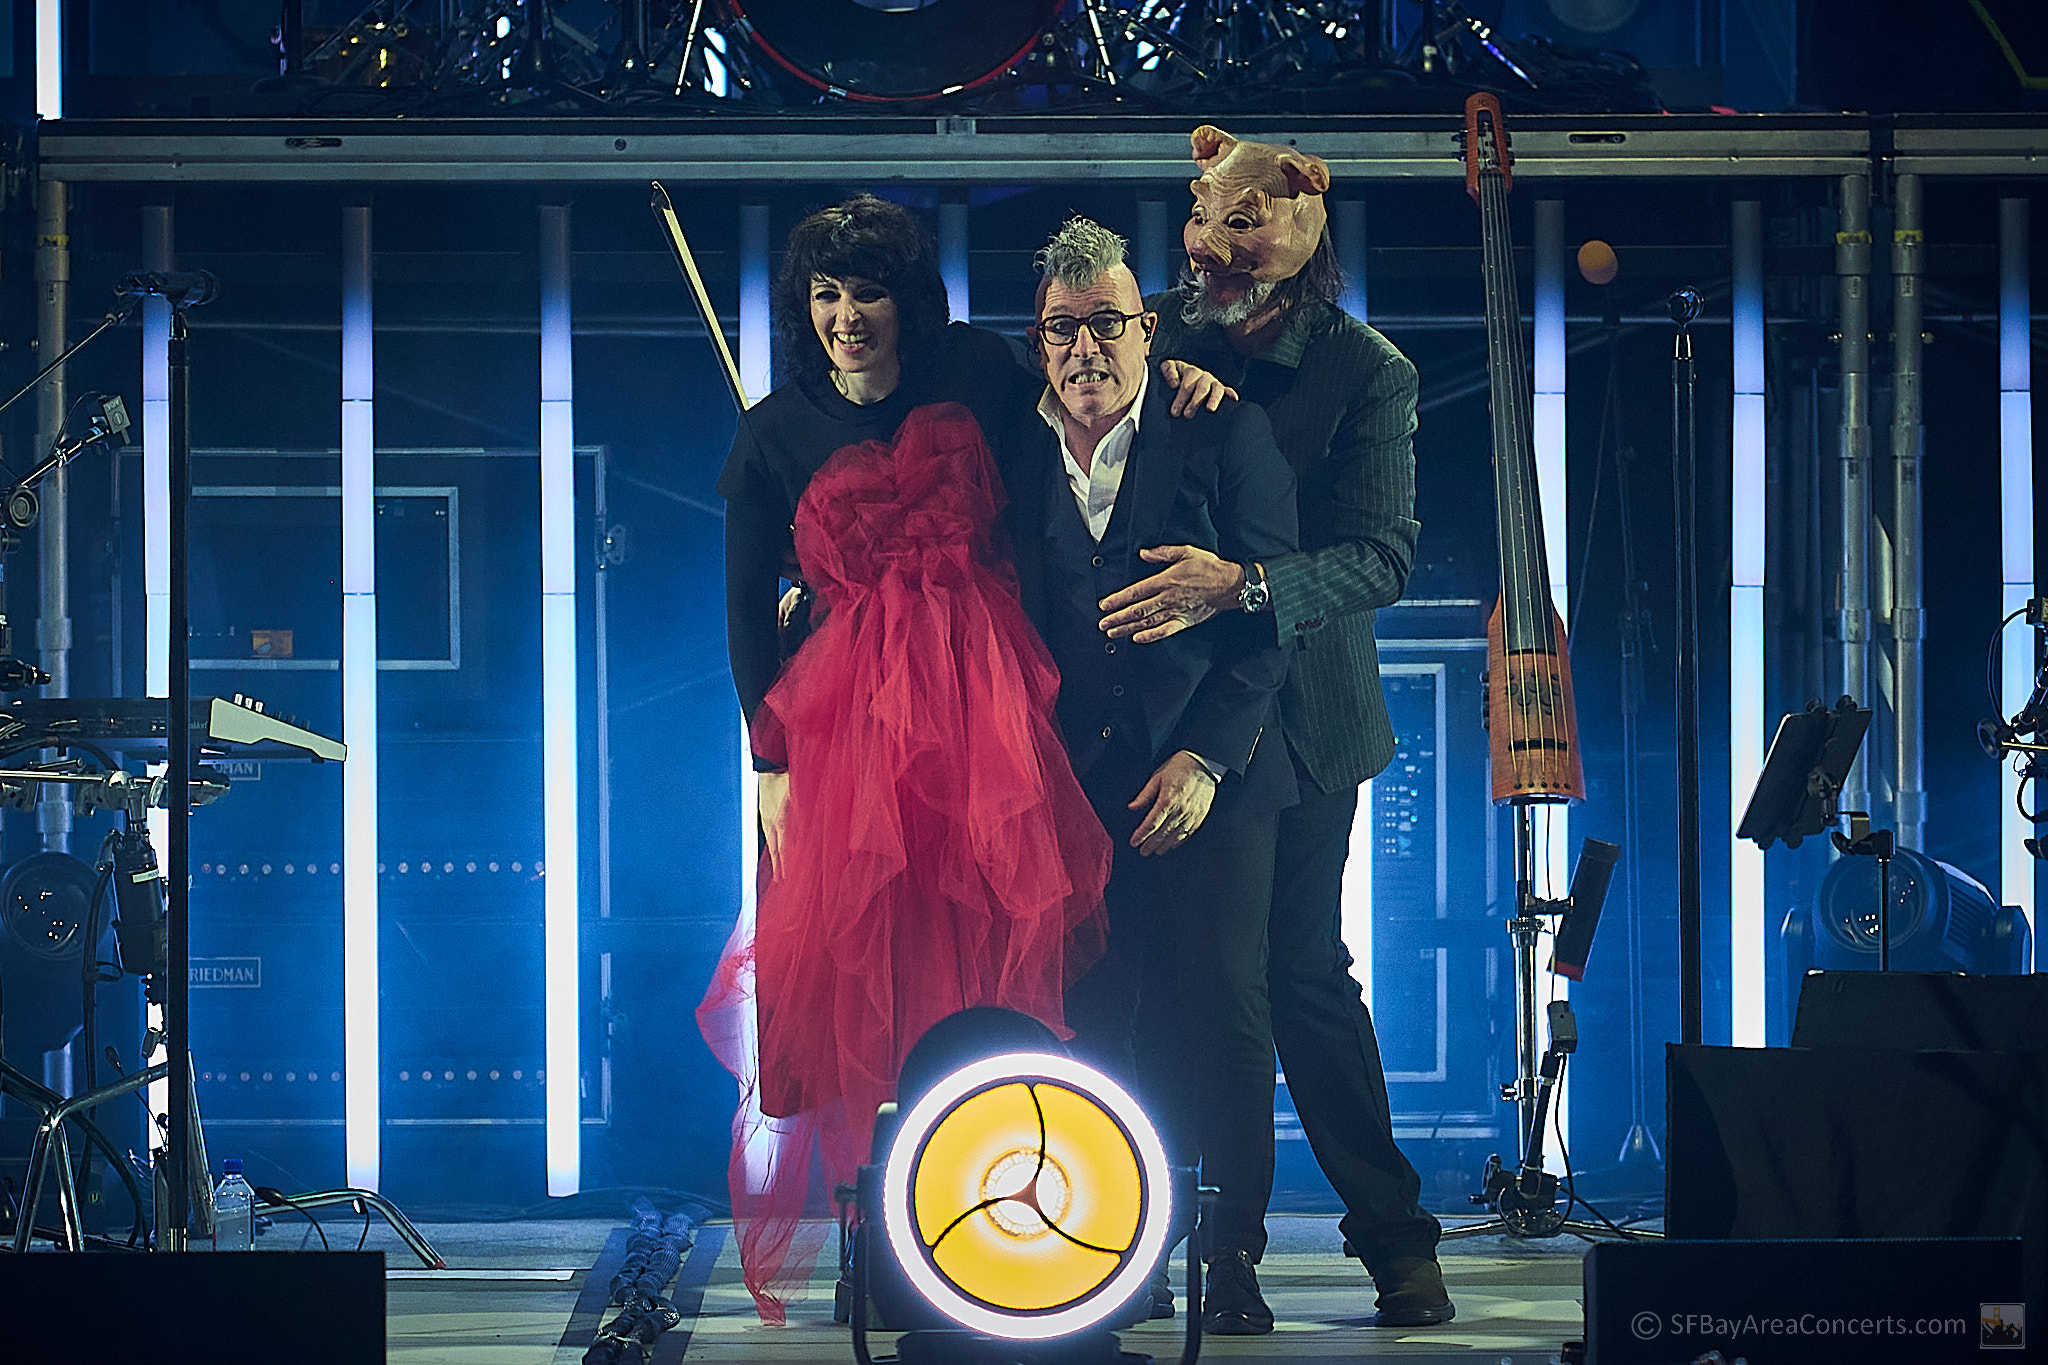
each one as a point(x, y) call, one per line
point(786, 438)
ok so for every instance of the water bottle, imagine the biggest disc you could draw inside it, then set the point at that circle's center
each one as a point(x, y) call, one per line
point(234, 1205)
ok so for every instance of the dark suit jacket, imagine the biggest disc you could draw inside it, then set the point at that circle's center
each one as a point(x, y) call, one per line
point(1215, 480)
point(1342, 403)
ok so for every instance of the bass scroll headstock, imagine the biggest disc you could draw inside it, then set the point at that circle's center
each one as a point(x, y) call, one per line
point(1486, 144)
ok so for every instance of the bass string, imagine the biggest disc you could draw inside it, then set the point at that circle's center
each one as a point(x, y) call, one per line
point(1525, 554)
point(1505, 474)
point(1530, 551)
point(1522, 555)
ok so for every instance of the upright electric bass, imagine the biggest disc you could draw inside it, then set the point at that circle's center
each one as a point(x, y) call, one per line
point(1532, 732)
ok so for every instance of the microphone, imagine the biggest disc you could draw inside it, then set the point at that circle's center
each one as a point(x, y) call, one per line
point(1588, 894)
point(139, 925)
point(189, 288)
point(1685, 305)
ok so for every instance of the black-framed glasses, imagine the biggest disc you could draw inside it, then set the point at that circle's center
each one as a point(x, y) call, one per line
point(1107, 325)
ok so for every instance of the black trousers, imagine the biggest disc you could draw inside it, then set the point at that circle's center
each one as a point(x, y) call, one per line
point(1326, 1040)
point(1177, 1008)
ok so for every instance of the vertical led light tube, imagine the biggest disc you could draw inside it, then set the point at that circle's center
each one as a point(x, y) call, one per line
point(1547, 416)
point(1552, 822)
point(1548, 412)
point(1747, 1012)
point(761, 1152)
point(158, 237)
point(558, 707)
point(1347, 236)
point(953, 259)
point(157, 229)
point(2016, 521)
point(50, 60)
point(1154, 252)
point(362, 1051)
point(756, 353)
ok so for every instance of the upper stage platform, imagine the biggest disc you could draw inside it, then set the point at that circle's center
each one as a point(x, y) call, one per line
point(1010, 150)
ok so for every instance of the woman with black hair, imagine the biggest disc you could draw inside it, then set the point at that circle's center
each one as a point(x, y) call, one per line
point(927, 847)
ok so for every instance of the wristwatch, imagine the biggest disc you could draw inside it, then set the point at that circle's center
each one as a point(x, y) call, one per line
point(1254, 596)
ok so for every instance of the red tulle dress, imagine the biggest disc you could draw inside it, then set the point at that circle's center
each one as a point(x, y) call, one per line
point(938, 851)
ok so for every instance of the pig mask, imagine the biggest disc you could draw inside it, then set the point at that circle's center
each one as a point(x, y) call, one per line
point(1258, 212)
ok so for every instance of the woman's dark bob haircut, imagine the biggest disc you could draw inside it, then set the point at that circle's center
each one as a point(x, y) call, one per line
point(875, 240)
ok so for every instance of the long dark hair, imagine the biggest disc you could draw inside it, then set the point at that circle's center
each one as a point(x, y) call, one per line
point(1322, 278)
point(875, 240)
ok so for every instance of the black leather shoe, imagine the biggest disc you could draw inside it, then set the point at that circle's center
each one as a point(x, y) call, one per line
point(1412, 1294)
point(1231, 1304)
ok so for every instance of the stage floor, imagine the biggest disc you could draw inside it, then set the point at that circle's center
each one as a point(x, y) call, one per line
point(1517, 1301)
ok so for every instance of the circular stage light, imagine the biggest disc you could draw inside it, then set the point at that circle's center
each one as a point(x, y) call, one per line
point(1941, 917)
point(1026, 1196)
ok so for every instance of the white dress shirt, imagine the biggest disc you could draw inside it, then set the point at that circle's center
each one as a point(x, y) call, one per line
point(1095, 488)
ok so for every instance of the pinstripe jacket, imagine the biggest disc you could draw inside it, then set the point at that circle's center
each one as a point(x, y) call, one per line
point(1342, 403)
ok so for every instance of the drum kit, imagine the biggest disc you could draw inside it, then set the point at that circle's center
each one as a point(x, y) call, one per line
point(796, 52)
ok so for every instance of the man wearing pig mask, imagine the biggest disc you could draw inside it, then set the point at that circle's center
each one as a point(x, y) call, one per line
point(1258, 309)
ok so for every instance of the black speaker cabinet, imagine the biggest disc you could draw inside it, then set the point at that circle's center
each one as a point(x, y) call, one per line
point(247, 1308)
point(1922, 1011)
point(1910, 1301)
point(1864, 1143)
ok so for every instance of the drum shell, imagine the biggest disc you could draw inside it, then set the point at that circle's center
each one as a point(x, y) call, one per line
point(867, 54)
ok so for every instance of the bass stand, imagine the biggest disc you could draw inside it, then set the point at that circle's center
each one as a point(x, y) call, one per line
point(1524, 1200)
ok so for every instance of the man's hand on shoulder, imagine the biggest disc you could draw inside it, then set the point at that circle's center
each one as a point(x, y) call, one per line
point(1194, 586)
point(1194, 388)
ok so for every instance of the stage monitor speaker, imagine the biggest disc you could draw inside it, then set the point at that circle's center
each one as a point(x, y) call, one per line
point(250, 1308)
point(1922, 1011)
point(1859, 1143)
point(1914, 1302)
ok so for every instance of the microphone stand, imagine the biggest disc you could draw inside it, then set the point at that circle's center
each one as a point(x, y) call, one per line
point(1685, 308)
point(113, 319)
point(1639, 1148)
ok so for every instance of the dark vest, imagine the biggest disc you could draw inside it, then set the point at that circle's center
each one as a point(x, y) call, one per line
point(1099, 705)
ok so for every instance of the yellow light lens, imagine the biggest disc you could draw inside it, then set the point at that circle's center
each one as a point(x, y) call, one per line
point(1023, 1224)
point(1026, 1196)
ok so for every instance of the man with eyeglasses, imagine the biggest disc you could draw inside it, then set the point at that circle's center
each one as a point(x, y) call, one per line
point(1259, 311)
point(1167, 741)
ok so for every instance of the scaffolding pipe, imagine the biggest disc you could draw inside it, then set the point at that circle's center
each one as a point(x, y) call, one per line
point(1852, 616)
point(1908, 616)
point(53, 617)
